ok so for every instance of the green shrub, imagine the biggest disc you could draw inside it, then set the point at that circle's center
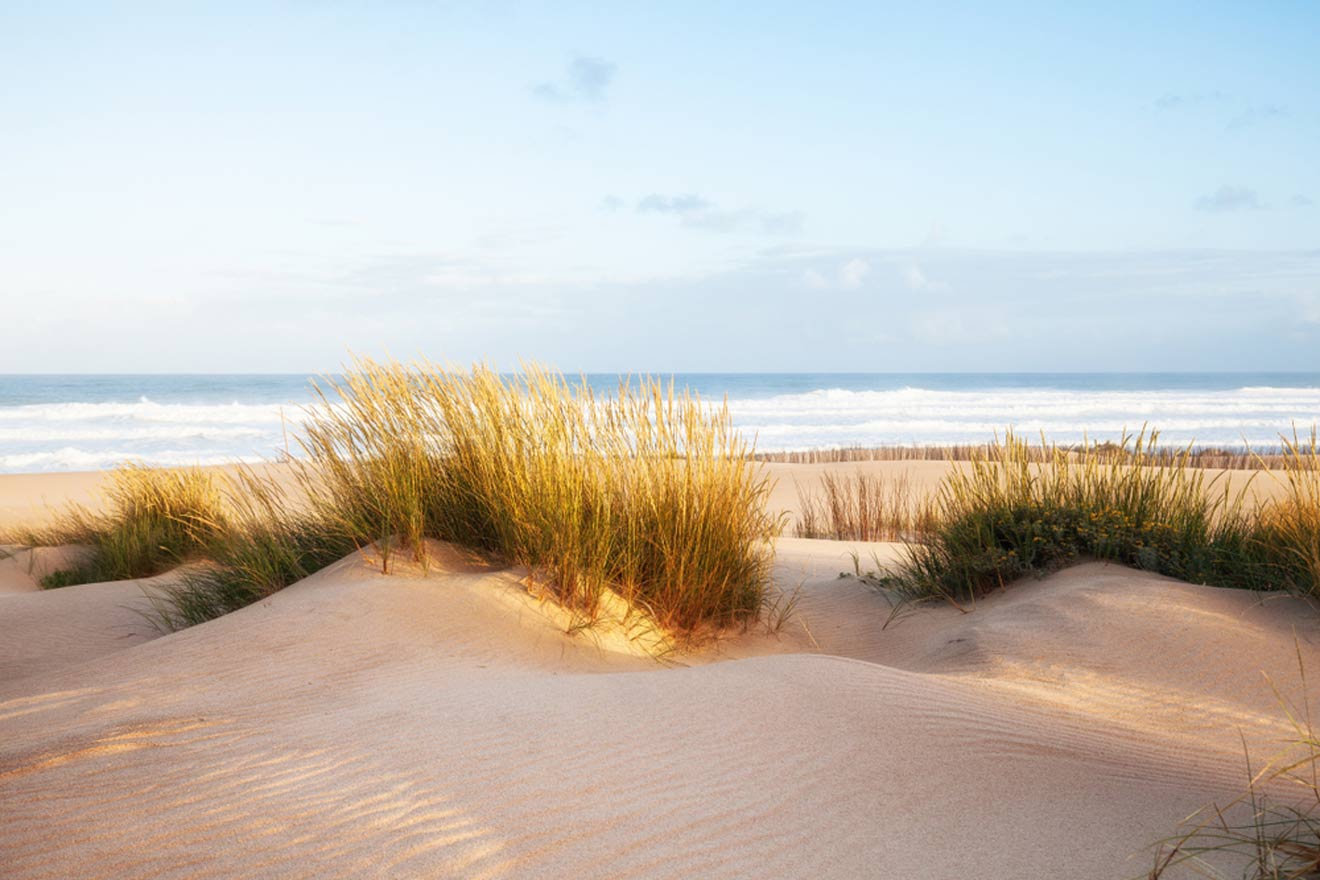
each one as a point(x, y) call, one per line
point(1009, 513)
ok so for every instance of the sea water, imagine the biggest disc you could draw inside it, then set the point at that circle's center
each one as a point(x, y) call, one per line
point(88, 422)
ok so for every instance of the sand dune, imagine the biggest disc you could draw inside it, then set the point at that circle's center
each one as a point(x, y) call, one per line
point(41, 631)
point(442, 724)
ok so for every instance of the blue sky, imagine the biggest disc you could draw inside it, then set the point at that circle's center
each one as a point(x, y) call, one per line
point(261, 187)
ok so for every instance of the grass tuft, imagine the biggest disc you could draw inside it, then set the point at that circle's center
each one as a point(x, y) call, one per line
point(1265, 833)
point(264, 544)
point(153, 520)
point(1289, 527)
point(648, 493)
point(862, 507)
point(1010, 513)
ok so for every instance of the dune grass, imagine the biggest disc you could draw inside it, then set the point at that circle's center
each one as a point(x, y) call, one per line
point(153, 519)
point(1290, 526)
point(1010, 513)
point(862, 507)
point(265, 544)
point(1007, 514)
point(1269, 832)
point(647, 493)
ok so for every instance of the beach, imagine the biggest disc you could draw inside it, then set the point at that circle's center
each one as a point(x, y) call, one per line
point(442, 722)
point(518, 441)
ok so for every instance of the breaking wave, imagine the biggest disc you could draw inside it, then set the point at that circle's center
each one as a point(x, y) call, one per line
point(76, 435)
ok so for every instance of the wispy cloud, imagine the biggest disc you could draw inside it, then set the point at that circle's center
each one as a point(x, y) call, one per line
point(586, 79)
point(1242, 113)
point(916, 279)
point(1255, 114)
point(787, 223)
point(1182, 101)
point(853, 273)
point(698, 212)
point(850, 275)
point(686, 205)
point(1301, 201)
point(1230, 198)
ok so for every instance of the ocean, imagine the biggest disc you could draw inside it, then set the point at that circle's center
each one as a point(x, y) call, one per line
point(68, 422)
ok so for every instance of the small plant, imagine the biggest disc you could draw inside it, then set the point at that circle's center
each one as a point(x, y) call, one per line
point(1008, 514)
point(65, 577)
point(265, 544)
point(154, 519)
point(862, 507)
point(1289, 526)
point(1269, 832)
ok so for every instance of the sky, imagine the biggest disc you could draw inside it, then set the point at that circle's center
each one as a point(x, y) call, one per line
point(265, 187)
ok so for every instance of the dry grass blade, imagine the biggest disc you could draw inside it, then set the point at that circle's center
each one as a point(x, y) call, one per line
point(862, 507)
point(1272, 830)
point(648, 493)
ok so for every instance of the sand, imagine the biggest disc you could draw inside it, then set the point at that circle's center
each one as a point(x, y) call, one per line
point(442, 724)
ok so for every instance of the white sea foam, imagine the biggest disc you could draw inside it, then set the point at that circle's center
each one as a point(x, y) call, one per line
point(147, 411)
point(86, 436)
point(80, 436)
point(840, 417)
point(71, 458)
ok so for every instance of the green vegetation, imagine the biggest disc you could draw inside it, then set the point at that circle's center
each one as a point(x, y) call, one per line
point(267, 543)
point(1289, 528)
point(1009, 513)
point(153, 520)
point(66, 577)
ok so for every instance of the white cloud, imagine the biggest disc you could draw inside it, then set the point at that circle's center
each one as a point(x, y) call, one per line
point(698, 212)
point(916, 279)
point(853, 273)
point(848, 276)
point(814, 280)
